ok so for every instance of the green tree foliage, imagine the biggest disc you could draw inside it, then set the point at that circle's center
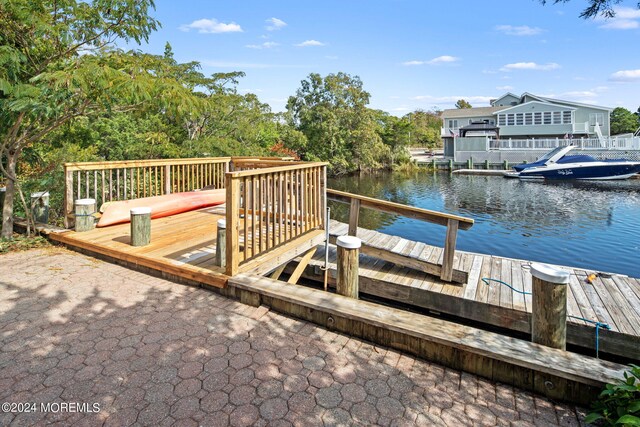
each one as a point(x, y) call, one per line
point(595, 7)
point(56, 65)
point(623, 121)
point(462, 104)
point(425, 129)
point(332, 113)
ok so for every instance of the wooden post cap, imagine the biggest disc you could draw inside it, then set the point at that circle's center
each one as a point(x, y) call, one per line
point(349, 242)
point(140, 211)
point(222, 223)
point(549, 274)
point(85, 202)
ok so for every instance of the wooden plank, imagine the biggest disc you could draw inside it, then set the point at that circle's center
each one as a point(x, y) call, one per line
point(495, 287)
point(602, 315)
point(626, 287)
point(471, 287)
point(506, 294)
point(354, 215)
point(304, 261)
point(617, 305)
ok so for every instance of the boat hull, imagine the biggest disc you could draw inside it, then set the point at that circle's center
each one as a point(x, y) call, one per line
point(589, 171)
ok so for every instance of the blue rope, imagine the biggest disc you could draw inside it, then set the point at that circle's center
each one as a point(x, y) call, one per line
point(597, 324)
point(487, 279)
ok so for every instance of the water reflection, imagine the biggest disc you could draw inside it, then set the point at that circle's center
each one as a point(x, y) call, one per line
point(592, 224)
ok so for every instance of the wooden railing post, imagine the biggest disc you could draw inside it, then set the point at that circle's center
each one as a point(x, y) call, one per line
point(549, 312)
point(354, 215)
point(69, 218)
point(221, 243)
point(167, 179)
point(449, 250)
point(233, 206)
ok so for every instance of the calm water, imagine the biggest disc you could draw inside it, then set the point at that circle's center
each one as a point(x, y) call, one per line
point(593, 225)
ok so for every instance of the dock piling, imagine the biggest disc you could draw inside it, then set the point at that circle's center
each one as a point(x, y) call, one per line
point(549, 312)
point(348, 265)
point(84, 212)
point(140, 226)
point(221, 243)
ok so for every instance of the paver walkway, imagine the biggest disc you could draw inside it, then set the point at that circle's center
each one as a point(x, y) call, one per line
point(151, 352)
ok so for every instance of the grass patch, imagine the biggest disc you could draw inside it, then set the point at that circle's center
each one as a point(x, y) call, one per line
point(20, 242)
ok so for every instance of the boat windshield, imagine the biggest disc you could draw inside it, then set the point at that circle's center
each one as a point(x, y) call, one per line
point(551, 153)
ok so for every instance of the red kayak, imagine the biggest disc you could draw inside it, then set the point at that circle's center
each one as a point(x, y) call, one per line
point(161, 206)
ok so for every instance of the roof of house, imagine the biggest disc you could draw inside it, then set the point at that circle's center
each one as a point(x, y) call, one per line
point(471, 112)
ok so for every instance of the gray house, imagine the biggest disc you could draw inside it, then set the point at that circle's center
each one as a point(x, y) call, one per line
point(525, 117)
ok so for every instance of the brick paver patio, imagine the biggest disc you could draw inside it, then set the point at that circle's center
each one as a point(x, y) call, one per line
point(150, 352)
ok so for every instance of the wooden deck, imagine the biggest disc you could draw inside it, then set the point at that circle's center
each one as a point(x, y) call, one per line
point(184, 245)
point(614, 301)
point(181, 245)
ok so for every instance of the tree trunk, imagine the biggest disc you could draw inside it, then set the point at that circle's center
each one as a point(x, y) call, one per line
point(7, 211)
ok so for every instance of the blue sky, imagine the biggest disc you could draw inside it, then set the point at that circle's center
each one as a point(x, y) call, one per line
point(412, 54)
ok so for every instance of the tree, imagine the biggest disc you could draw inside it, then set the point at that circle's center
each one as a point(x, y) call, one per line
point(595, 7)
point(57, 64)
point(623, 121)
point(332, 113)
point(462, 104)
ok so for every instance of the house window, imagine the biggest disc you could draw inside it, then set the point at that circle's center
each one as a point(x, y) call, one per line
point(547, 117)
point(528, 119)
point(557, 117)
point(502, 119)
point(519, 119)
point(566, 117)
point(596, 118)
point(453, 124)
point(537, 118)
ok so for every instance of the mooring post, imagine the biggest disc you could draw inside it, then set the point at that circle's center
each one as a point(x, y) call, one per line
point(506, 165)
point(40, 207)
point(549, 311)
point(85, 210)
point(140, 226)
point(221, 243)
point(348, 264)
point(451, 164)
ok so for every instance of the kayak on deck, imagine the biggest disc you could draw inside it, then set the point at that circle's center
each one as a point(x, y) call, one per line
point(161, 206)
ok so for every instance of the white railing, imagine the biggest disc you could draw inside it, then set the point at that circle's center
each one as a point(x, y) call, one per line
point(581, 127)
point(608, 143)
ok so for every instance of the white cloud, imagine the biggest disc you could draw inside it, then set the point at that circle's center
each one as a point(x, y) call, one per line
point(625, 18)
point(265, 45)
point(308, 43)
point(522, 30)
point(211, 26)
point(530, 66)
point(411, 63)
point(444, 59)
point(507, 88)
point(275, 24)
point(625, 76)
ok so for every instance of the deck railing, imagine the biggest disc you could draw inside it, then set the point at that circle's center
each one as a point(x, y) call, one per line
point(445, 270)
point(132, 179)
point(269, 205)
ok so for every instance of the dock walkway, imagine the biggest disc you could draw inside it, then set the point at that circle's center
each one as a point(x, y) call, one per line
point(614, 300)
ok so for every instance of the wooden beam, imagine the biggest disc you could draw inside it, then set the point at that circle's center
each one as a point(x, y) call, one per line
point(233, 204)
point(354, 215)
point(304, 261)
point(449, 250)
point(275, 275)
point(400, 209)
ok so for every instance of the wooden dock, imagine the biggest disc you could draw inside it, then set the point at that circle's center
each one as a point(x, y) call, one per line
point(614, 301)
point(184, 246)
